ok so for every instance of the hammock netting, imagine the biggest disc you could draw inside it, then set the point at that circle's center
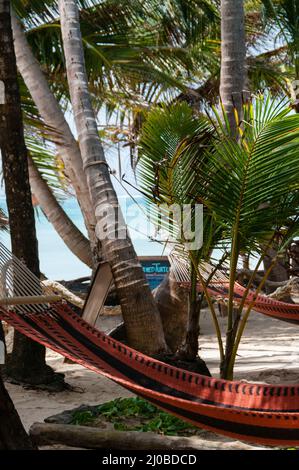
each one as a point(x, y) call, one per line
point(266, 414)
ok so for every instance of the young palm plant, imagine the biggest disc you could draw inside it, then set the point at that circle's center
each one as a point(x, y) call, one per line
point(249, 189)
point(167, 173)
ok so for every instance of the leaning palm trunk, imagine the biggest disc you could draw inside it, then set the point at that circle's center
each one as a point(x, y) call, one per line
point(53, 116)
point(233, 55)
point(66, 229)
point(142, 320)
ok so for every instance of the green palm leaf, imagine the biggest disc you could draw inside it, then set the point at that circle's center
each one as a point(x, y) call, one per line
point(131, 47)
point(250, 186)
point(168, 166)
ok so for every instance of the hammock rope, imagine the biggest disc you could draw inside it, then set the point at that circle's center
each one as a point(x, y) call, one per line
point(17, 281)
point(266, 414)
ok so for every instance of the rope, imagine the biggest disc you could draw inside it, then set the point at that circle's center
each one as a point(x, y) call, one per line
point(16, 280)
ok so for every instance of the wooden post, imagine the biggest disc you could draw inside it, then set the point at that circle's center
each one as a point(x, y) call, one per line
point(98, 293)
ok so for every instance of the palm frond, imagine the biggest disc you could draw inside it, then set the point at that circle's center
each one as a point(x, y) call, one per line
point(257, 176)
point(251, 186)
point(167, 169)
point(126, 43)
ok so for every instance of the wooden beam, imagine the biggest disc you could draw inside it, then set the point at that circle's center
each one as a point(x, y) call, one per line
point(30, 300)
point(98, 292)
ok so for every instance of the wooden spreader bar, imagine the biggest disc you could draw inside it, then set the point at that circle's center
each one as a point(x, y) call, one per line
point(30, 300)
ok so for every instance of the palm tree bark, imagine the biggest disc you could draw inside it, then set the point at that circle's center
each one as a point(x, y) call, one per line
point(53, 116)
point(142, 320)
point(66, 229)
point(28, 358)
point(233, 59)
point(232, 83)
point(12, 433)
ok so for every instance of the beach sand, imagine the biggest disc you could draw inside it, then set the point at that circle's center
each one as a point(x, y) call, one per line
point(269, 353)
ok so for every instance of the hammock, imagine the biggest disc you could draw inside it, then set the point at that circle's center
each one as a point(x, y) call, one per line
point(266, 414)
point(219, 289)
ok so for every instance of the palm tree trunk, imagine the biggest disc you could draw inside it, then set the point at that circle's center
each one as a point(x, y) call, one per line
point(232, 83)
point(12, 433)
point(233, 59)
point(28, 358)
point(66, 229)
point(141, 316)
point(51, 113)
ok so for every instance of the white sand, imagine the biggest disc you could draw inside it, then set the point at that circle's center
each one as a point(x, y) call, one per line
point(269, 350)
point(269, 353)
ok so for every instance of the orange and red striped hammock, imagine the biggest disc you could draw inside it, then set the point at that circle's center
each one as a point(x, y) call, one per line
point(262, 304)
point(218, 287)
point(266, 414)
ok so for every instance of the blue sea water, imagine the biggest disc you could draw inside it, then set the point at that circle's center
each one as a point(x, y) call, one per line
point(56, 260)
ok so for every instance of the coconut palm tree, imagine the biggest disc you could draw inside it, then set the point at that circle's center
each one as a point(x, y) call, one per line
point(248, 187)
point(265, 69)
point(53, 116)
point(51, 112)
point(142, 319)
point(279, 21)
point(132, 43)
point(116, 71)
